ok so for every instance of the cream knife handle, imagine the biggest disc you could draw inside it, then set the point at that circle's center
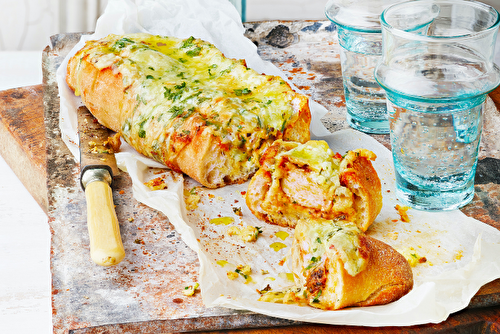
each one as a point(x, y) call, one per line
point(106, 247)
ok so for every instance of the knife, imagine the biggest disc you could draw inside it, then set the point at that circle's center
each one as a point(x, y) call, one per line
point(98, 165)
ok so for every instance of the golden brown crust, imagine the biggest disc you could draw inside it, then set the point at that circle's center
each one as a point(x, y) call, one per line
point(386, 277)
point(359, 175)
point(195, 148)
point(296, 196)
point(101, 91)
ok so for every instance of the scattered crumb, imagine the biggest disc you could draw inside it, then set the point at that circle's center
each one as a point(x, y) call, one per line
point(156, 184)
point(232, 275)
point(243, 269)
point(266, 289)
point(237, 211)
point(113, 143)
point(191, 198)
point(411, 255)
point(190, 290)
point(459, 255)
point(402, 210)
point(247, 234)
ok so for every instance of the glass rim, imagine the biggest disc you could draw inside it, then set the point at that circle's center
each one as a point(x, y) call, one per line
point(470, 3)
point(431, 99)
point(371, 21)
point(356, 28)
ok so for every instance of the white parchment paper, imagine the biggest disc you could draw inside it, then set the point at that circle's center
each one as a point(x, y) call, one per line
point(462, 253)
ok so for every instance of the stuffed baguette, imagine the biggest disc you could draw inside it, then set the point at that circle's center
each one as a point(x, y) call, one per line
point(302, 181)
point(335, 266)
point(182, 103)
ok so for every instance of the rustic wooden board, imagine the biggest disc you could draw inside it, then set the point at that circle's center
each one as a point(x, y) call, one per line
point(22, 138)
point(152, 279)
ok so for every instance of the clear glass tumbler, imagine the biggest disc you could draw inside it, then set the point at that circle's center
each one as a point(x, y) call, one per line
point(437, 69)
point(360, 38)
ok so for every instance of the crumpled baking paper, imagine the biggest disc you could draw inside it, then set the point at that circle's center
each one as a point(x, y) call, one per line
point(461, 252)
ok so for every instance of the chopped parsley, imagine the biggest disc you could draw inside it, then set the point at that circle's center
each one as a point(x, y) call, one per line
point(121, 43)
point(240, 92)
point(181, 86)
point(142, 132)
point(316, 298)
point(194, 52)
point(175, 111)
point(212, 67)
point(188, 42)
point(239, 271)
point(314, 261)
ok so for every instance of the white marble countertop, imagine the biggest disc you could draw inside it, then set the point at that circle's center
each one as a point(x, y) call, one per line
point(25, 279)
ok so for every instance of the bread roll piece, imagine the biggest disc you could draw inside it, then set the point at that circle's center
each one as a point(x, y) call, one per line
point(302, 181)
point(336, 266)
point(183, 103)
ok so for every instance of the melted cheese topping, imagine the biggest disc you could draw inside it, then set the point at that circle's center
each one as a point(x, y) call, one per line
point(319, 240)
point(177, 82)
point(323, 236)
point(318, 157)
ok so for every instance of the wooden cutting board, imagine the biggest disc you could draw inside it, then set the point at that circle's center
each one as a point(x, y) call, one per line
point(48, 171)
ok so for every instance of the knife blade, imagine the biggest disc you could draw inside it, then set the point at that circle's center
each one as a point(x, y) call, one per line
point(97, 168)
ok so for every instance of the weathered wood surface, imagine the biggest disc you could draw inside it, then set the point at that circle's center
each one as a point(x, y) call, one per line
point(302, 50)
point(22, 138)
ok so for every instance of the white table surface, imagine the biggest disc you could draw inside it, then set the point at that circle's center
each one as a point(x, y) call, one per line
point(25, 279)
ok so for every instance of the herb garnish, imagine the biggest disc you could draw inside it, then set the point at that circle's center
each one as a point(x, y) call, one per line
point(240, 92)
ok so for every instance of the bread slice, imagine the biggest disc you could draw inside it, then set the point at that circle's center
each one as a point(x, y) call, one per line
point(303, 181)
point(183, 103)
point(337, 266)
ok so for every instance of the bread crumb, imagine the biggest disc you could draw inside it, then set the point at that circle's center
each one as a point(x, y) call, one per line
point(232, 275)
point(412, 257)
point(156, 184)
point(113, 143)
point(237, 211)
point(246, 234)
point(191, 198)
point(402, 210)
point(190, 290)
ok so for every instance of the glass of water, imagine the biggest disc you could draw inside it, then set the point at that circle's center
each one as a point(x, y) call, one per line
point(437, 69)
point(360, 39)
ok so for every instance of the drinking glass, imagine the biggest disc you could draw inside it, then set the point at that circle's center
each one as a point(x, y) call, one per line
point(360, 39)
point(437, 69)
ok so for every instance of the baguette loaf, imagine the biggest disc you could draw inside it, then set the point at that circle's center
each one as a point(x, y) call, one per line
point(182, 103)
point(335, 266)
point(302, 181)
